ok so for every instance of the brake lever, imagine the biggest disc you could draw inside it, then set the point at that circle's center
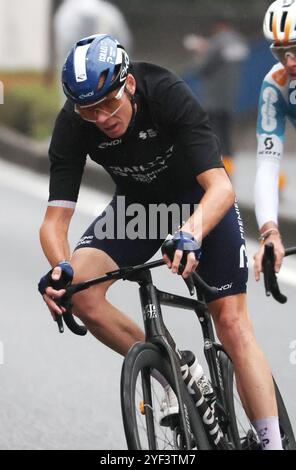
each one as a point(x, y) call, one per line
point(190, 284)
point(270, 278)
point(67, 316)
point(59, 319)
point(194, 278)
point(62, 302)
point(267, 269)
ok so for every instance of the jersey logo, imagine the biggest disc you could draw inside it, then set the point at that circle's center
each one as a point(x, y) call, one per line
point(268, 142)
point(112, 143)
point(280, 77)
point(268, 109)
point(269, 147)
point(150, 133)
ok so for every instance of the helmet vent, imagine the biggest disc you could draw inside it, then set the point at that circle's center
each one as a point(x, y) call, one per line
point(283, 21)
point(271, 21)
point(102, 80)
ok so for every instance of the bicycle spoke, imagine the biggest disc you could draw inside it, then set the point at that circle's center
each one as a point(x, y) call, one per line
point(167, 437)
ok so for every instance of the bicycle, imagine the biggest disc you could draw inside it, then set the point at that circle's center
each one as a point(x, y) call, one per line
point(198, 423)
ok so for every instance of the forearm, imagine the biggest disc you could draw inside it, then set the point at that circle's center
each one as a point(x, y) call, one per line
point(267, 195)
point(216, 201)
point(54, 242)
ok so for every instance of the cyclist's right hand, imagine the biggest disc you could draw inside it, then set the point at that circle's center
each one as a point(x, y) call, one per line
point(181, 248)
point(52, 286)
point(279, 252)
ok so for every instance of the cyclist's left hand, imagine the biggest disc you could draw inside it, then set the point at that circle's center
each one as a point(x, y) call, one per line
point(182, 248)
point(279, 252)
point(52, 286)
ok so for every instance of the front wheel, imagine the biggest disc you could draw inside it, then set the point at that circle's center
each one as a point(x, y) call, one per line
point(240, 429)
point(141, 396)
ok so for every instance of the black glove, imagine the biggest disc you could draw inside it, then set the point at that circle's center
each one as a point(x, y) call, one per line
point(64, 281)
point(181, 241)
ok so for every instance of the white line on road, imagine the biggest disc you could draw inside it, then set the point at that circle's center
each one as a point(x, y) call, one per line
point(92, 203)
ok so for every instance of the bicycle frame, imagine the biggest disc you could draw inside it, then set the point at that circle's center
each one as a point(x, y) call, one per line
point(157, 333)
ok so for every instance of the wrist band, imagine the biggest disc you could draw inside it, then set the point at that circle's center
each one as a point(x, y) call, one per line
point(268, 232)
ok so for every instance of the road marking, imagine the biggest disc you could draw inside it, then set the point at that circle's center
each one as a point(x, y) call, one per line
point(92, 203)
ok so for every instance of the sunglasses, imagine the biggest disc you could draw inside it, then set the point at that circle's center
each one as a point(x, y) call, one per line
point(281, 53)
point(107, 106)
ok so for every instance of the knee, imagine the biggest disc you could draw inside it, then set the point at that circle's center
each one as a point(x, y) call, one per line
point(234, 329)
point(88, 306)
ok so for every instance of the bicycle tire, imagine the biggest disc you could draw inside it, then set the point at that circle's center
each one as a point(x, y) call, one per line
point(247, 439)
point(142, 359)
point(287, 433)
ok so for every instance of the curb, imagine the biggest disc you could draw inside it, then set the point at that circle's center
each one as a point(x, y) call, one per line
point(18, 149)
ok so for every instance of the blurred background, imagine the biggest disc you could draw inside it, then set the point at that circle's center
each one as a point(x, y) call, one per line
point(29, 59)
point(56, 393)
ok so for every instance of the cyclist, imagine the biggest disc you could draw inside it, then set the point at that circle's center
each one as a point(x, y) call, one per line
point(145, 127)
point(277, 103)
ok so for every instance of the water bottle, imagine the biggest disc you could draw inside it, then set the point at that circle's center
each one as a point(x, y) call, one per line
point(196, 381)
point(198, 375)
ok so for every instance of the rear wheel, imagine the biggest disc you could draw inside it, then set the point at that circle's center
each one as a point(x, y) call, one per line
point(141, 397)
point(240, 430)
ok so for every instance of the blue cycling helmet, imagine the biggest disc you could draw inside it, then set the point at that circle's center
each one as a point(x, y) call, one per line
point(95, 66)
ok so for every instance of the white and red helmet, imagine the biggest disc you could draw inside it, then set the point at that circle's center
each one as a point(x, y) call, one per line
point(279, 24)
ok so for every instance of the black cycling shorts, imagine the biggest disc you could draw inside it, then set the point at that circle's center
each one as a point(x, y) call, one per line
point(223, 263)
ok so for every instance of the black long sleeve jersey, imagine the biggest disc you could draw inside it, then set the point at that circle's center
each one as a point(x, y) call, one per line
point(169, 143)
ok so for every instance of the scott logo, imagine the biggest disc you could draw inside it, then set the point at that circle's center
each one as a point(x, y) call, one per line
point(150, 133)
point(268, 142)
